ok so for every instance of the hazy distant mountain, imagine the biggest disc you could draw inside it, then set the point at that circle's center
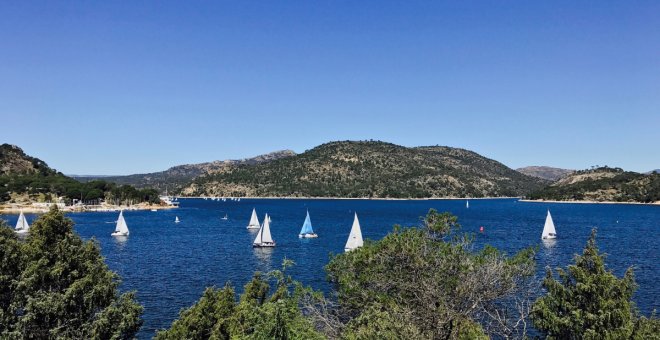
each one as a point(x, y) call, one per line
point(370, 169)
point(545, 172)
point(652, 171)
point(177, 176)
point(603, 184)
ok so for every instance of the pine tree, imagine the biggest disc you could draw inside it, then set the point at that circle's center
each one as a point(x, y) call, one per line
point(60, 287)
point(588, 301)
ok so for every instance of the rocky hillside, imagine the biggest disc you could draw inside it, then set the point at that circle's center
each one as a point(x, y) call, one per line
point(370, 169)
point(15, 162)
point(545, 172)
point(176, 177)
point(603, 184)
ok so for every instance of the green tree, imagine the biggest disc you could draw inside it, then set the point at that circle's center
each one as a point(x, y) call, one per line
point(440, 288)
point(589, 302)
point(61, 288)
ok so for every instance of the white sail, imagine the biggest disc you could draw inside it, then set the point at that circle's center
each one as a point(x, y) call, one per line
point(22, 225)
point(121, 227)
point(176, 219)
point(263, 236)
point(549, 228)
point(467, 204)
point(355, 237)
point(254, 220)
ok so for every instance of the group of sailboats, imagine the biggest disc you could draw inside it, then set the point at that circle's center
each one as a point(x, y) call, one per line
point(265, 239)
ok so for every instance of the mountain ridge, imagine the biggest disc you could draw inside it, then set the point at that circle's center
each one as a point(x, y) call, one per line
point(545, 172)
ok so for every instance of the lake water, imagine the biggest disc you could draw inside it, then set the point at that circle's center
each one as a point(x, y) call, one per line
point(170, 264)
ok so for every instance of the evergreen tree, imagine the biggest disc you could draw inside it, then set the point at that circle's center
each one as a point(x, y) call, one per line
point(588, 301)
point(60, 287)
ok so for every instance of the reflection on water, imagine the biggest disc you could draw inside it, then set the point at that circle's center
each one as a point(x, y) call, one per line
point(119, 242)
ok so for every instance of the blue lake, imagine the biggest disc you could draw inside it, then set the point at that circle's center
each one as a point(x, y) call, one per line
point(170, 264)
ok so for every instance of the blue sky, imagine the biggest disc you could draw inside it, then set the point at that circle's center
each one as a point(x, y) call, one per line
point(139, 86)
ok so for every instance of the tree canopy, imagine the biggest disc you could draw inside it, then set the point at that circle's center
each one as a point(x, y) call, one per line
point(55, 285)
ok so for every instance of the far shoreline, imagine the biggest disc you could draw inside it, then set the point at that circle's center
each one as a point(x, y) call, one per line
point(657, 203)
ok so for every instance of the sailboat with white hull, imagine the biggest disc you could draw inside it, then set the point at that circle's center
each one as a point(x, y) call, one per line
point(22, 226)
point(121, 229)
point(254, 220)
point(549, 231)
point(355, 237)
point(264, 239)
point(307, 231)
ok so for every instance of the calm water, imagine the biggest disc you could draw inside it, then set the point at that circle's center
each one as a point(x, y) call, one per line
point(169, 264)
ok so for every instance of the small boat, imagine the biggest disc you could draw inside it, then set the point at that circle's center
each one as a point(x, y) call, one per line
point(254, 220)
point(355, 237)
point(467, 204)
point(549, 231)
point(22, 225)
point(224, 218)
point(264, 239)
point(238, 199)
point(154, 210)
point(176, 219)
point(121, 229)
point(307, 231)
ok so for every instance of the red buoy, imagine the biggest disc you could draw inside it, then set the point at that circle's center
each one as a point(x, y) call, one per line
point(481, 229)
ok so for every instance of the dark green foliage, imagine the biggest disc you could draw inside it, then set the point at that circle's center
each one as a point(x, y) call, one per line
point(59, 286)
point(371, 169)
point(217, 315)
point(622, 186)
point(31, 176)
point(590, 302)
point(413, 283)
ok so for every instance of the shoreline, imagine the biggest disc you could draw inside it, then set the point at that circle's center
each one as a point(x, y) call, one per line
point(14, 209)
point(657, 203)
point(352, 198)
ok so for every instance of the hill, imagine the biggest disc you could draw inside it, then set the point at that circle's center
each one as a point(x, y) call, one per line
point(545, 172)
point(176, 177)
point(603, 184)
point(369, 169)
point(25, 179)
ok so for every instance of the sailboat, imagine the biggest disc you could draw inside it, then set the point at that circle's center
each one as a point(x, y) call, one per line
point(264, 239)
point(121, 229)
point(22, 225)
point(467, 204)
point(306, 231)
point(254, 220)
point(176, 219)
point(224, 218)
point(549, 231)
point(355, 237)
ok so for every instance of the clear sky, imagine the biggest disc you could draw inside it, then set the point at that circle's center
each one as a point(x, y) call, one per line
point(105, 87)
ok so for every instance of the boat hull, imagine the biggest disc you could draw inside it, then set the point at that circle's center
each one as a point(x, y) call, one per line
point(308, 236)
point(549, 237)
point(22, 231)
point(263, 245)
point(119, 234)
point(253, 227)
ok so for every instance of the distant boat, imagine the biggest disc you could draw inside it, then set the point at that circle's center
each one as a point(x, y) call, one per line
point(154, 210)
point(264, 239)
point(224, 218)
point(355, 237)
point(549, 228)
point(467, 204)
point(254, 220)
point(238, 199)
point(176, 219)
point(121, 229)
point(22, 225)
point(306, 231)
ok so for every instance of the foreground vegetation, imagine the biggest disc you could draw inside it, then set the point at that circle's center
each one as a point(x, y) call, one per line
point(29, 178)
point(604, 184)
point(55, 286)
point(415, 283)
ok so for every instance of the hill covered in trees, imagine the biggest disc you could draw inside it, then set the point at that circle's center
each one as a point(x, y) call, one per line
point(545, 172)
point(370, 169)
point(24, 178)
point(603, 184)
point(178, 176)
